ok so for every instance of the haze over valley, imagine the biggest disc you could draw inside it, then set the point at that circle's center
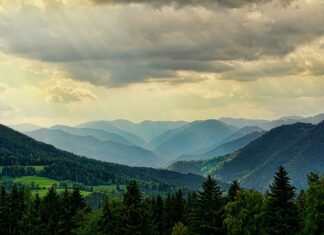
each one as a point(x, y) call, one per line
point(199, 147)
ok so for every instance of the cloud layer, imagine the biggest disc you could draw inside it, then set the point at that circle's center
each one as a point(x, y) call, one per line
point(184, 3)
point(192, 58)
point(113, 46)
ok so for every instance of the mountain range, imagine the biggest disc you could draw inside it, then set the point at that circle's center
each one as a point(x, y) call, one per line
point(193, 137)
point(90, 146)
point(17, 149)
point(157, 143)
point(223, 149)
point(299, 147)
point(244, 149)
point(268, 125)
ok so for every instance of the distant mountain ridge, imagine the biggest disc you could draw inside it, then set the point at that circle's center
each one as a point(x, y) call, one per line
point(223, 149)
point(97, 133)
point(146, 130)
point(193, 137)
point(167, 140)
point(19, 149)
point(107, 126)
point(299, 147)
point(270, 124)
point(88, 145)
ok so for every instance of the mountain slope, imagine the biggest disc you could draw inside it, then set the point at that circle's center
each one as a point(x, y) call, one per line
point(19, 149)
point(164, 137)
point(147, 130)
point(193, 137)
point(299, 147)
point(107, 126)
point(90, 146)
point(99, 134)
point(236, 135)
point(223, 149)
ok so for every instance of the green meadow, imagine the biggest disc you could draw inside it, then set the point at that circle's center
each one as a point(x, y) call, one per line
point(43, 184)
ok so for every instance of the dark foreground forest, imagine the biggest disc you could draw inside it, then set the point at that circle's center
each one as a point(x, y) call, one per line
point(205, 212)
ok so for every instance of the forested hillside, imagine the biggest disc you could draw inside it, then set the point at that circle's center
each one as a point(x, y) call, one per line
point(299, 147)
point(17, 149)
point(223, 149)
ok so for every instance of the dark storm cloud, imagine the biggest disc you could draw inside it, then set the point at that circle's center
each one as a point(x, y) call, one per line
point(125, 45)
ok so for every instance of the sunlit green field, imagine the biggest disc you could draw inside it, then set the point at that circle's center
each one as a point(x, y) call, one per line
point(43, 183)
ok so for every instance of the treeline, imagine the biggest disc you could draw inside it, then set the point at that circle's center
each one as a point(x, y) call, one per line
point(205, 212)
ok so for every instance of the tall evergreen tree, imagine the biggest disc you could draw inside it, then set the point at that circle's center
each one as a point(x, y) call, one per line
point(301, 200)
point(4, 211)
point(106, 224)
point(135, 217)
point(158, 215)
point(112, 218)
point(78, 209)
point(210, 209)
point(168, 220)
point(178, 206)
point(191, 216)
point(281, 213)
point(233, 190)
point(65, 215)
point(50, 213)
point(17, 207)
point(30, 223)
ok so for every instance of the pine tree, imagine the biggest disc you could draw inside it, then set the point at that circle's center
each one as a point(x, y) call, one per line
point(191, 216)
point(50, 213)
point(65, 214)
point(158, 215)
point(4, 210)
point(174, 210)
point(106, 224)
point(17, 207)
point(281, 213)
point(210, 209)
point(178, 207)
point(30, 222)
point(78, 209)
point(233, 190)
point(168, 220)
point(301, 200)
point(134, 211)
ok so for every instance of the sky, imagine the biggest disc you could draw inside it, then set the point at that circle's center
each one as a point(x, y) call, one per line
point(70, 61)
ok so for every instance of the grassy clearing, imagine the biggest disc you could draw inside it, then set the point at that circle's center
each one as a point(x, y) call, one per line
point(41, 181)
point(43, 184)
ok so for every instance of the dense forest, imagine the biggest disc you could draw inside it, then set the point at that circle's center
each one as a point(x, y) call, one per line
point(208, 211)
